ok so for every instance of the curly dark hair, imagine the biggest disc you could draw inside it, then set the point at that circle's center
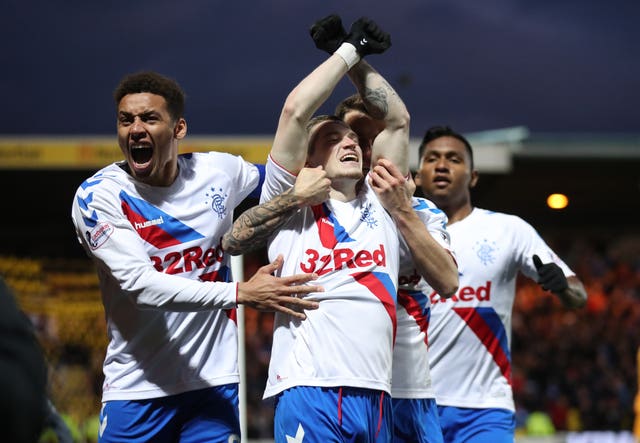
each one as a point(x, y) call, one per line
point(154, 83)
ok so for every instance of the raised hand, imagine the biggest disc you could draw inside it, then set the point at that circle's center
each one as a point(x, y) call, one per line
point(328, 33)
point(551, 277)
point(368, 37)
point(266, 292)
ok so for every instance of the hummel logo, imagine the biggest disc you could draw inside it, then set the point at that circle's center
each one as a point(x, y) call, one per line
point(298, 437)
point(103, 426)
point(157, 221)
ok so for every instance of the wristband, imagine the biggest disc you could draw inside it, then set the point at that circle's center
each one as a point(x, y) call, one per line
point(348, 53)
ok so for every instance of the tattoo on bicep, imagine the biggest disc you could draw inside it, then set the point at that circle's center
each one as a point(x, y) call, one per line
point(376, 101)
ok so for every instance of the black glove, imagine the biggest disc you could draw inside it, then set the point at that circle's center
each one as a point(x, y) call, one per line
point(328, 33)
point(368, 37)
point(551, 276)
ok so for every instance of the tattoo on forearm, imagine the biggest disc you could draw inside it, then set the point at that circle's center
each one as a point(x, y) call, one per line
point(254, 226)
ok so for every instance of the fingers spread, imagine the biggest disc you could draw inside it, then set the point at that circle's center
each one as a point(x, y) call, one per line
point(288, 311)
point(299, 278)
point(272, 267)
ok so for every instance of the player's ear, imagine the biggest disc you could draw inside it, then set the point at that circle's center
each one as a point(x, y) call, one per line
point(180, 130)
point(474, 178)
point(418, 179)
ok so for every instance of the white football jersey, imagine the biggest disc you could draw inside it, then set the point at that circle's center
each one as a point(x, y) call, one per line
point(470, 333)
point(411, 375)
point(353, 247)
point(164, 278)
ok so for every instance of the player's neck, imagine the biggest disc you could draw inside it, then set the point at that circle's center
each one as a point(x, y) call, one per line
point(455, 214)
point(339, 195)
point(343, 189)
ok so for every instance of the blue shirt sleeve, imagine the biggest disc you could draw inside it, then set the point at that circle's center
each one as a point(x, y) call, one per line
point(258, 189)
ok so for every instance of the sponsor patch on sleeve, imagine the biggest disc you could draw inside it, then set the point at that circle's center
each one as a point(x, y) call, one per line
point(98, 235)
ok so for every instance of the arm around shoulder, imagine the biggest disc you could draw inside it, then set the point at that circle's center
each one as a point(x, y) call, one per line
point(254, 226)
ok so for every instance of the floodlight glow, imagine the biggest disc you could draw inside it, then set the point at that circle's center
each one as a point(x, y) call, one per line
point(557, 201)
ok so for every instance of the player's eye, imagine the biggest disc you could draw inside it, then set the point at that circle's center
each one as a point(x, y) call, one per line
point(124, 120)
point(150, 118)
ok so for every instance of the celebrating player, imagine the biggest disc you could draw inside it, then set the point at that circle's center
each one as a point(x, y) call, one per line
point(330, 374)
point(153, 225)
point(470, 333)
point(425, 263)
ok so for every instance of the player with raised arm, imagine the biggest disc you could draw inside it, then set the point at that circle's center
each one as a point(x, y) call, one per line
point(424, 257)
point(330, 374)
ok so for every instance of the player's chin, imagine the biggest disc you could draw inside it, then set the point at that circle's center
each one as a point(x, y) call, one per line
point(356, 172)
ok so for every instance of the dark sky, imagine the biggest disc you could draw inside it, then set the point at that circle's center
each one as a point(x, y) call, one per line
point(550, 65)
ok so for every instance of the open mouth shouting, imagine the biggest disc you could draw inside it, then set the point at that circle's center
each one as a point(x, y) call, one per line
point(141, 156)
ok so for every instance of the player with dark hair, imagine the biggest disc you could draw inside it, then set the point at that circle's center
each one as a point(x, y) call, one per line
point(470, 333)
point(153, 224)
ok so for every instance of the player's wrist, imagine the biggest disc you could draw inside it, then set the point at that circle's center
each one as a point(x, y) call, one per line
point(292, 199)
point(348, 53)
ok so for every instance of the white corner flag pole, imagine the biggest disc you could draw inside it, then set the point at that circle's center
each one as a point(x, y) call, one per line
point(237, 270)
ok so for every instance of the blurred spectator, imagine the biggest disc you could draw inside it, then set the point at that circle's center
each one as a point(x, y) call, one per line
point(539, 424)
point(23, 374)
point(636, 403)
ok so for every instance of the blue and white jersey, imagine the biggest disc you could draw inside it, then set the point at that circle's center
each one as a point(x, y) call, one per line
point(164, 278)
point(411, 376)
point(353, 247)
point(470, 333)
